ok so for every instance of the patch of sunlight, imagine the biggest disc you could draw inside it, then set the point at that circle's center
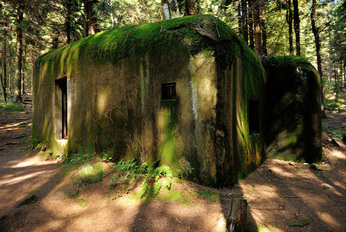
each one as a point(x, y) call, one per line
point(32, 161)
point(132, 199)
point(7, 126)
point(62, 142)
point(21, 178)
point(329, 219)
point(54, 225)
point(102, 100)
point(339, 155)
point(313, 200)
point(281, 172)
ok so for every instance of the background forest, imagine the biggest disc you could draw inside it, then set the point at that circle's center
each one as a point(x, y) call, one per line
point(314, 29)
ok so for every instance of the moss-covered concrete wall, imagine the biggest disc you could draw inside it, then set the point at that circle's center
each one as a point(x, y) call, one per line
point(114, 93)
point(293, 109)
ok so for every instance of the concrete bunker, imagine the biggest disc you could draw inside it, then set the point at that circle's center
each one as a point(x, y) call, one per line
point(293, 109)
point(186, 91)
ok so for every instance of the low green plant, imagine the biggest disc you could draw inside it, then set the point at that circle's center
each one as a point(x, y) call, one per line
point(82, 202)
point(106, 157)
point(77, 157)
point(149, 177)
point(208, 194)
point(88, 174)
point(11, 108)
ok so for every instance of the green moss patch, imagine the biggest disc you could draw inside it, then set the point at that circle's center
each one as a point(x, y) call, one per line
point(89, 174)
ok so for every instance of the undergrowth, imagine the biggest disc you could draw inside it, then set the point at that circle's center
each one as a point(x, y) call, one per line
point(149, 177)
point(11, 108)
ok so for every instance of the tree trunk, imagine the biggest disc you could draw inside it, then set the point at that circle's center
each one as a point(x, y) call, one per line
point(17, 97)
point(250, 20)
point(289, 20)
point(240, 25)
point(192, 7)
point(244, 21)
point(90, 18)
point(316, 31)
point(296, 26)
point(173, 8)
point(263, 27)
point(67, 23)
point(4, 74)
point(23, 74)
point(257, 22)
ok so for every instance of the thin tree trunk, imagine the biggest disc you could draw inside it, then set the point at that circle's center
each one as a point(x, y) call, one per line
point(289, 20)
point(240, 25)
point(67, 23)
point(263, 27)
point(330, 58)
point(250, 20)
point(23, 74)
point(173, 8)
point(4, 73)
point(244, 20)
point(17, 97)
point(90, 19)
point(257, 22)
point(316, 31)
point(296, 26)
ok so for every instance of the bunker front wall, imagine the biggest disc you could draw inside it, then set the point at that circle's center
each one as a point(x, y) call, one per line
point(293, 109)
point(116, 104)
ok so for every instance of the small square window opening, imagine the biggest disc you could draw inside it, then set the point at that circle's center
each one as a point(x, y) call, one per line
point(169, 91)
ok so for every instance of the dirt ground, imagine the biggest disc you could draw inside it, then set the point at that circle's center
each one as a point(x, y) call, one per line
point(281, 196)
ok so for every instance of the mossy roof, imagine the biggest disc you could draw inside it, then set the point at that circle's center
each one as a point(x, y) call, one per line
point(194, 33)
point(290, 62)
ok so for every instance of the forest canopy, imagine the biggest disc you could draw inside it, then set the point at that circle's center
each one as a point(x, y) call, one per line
point(313, 29)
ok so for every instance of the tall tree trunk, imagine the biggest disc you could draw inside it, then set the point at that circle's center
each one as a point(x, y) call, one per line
point(67, 23)
point(289, 20)
point(90, 18)
point(250, 20)
point(17, 97)
point(173, 8)
point(23, 74)
point(316, 31)
point(257, 22)
point(192, 7)
point(263, 27)
point(296, 26)
point(244, 21)
point(4, 73)
point(240, 23)
point(330, 58)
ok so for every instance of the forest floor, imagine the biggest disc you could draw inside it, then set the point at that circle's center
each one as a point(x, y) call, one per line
point(281, 196)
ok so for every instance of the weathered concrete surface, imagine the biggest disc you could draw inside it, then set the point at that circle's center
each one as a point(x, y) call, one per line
point(293, 109)
point(114, 93)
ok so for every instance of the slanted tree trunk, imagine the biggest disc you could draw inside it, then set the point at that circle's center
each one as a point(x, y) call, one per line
point(296, 26)
point(316, 31)
point(289, 20)
point(3, 77)
point(257, 24)
point(17, 97)
point(90, 18)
